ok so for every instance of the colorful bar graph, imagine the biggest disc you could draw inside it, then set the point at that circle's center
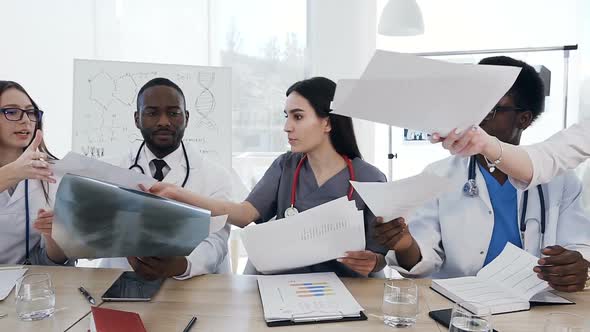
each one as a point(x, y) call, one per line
point(312, 289)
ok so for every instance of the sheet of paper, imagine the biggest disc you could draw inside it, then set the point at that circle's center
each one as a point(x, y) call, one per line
point(217, 223)
point(95, 219)
point(485, 293)
point(294, 296)
point(513, 269)
point(395, 199)
point(313, 236)
point(423, 94)
point(77, 164)
point(8, 280)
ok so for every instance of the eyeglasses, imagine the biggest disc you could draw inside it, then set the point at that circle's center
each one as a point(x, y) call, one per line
point(497, 109)
point(16, 114)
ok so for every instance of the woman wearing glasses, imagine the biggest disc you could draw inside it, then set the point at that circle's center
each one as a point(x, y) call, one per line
point(24, 182)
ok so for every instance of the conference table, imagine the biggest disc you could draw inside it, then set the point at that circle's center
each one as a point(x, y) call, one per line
point(232, 303)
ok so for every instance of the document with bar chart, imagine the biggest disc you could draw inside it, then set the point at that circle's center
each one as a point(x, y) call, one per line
point(305, 298)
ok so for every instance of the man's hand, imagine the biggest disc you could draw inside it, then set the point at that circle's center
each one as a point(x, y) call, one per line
point(565, 270)
point(394, 235)
point(151, 268)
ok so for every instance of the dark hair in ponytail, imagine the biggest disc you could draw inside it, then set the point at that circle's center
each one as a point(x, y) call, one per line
point(319, 92)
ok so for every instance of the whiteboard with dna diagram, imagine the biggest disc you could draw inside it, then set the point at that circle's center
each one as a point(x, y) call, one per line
point(105, 96)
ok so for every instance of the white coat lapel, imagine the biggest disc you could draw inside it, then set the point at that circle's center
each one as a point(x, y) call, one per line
point(484, 194)
point(19, 194)
point(532, 237)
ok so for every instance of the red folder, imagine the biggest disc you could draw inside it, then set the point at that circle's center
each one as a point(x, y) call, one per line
point(109, 320)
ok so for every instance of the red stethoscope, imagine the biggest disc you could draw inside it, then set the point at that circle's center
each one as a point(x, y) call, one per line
point(292, 210)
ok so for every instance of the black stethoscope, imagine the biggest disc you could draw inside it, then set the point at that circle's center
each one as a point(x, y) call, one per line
point(292, 210)
point(470, 189)
point(136, 165)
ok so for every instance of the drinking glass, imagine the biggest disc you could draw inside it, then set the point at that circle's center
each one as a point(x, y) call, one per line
point(400, 302)
point(35, 297)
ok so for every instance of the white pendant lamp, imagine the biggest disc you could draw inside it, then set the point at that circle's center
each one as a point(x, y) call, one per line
point(401, 18)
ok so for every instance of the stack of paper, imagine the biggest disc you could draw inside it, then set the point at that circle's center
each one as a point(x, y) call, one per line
point(423, 94)
point(306, 297)
point(8, 280)
point(316, 235)
point(395, 199)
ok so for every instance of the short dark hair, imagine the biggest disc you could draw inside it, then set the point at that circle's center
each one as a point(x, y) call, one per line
point(319, 92)
point(528, 91)
point(160, 81)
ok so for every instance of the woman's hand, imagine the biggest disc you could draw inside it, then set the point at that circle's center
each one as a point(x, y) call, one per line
point(471, 142)
point(362, 262)
point(32, 164)
point(44, 222)
point(163, 189)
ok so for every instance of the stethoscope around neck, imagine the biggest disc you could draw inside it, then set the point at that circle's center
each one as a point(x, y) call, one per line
point(292, 210)
point(470, 189)
point(136, 165)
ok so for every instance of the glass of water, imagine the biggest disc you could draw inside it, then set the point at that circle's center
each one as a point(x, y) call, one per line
point(400, 302)
point(565, 322)
point(463, 318)
point(35, 297)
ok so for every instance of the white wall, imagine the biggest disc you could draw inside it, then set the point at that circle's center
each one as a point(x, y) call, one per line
point(173, 32)
point(39, 41)
point(340, 41)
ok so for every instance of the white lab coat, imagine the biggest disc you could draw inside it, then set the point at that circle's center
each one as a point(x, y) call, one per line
point(454, 231)
point(13, 221)
point(562, 151)
point(206, 178)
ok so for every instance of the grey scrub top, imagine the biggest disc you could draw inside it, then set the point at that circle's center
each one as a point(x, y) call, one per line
point(272, 195)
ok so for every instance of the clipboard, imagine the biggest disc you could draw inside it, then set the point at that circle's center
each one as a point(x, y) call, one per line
point(316, 320)
point(311, 298)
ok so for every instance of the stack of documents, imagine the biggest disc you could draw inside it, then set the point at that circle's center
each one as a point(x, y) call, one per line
point(94, 219)
point(506, 284)
point(8, 279)
point(312, 297)
point(412, 92)
point(395, 199)
point(313, 236)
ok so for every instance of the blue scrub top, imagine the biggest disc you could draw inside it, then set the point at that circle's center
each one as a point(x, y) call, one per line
point(504, 202)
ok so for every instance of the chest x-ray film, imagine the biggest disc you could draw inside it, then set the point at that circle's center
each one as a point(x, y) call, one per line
point(94, 219)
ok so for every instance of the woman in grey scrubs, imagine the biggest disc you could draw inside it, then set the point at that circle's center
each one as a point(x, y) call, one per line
point(324, 156)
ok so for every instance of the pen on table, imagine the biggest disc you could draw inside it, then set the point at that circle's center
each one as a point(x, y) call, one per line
point(87, 295)
point(190, 324)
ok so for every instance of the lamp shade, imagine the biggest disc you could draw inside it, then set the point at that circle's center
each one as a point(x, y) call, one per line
point(401, 18)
